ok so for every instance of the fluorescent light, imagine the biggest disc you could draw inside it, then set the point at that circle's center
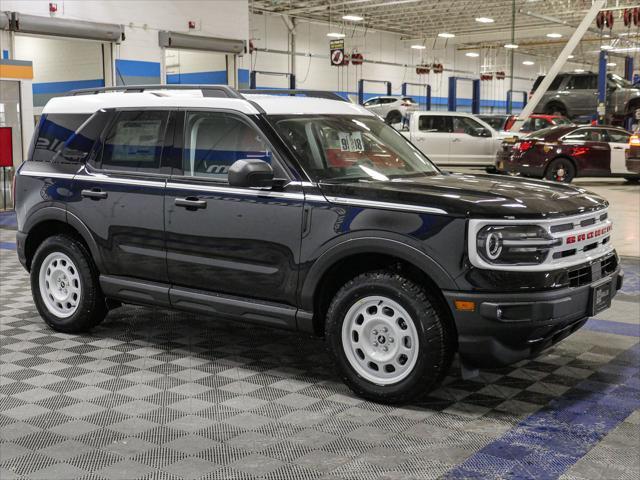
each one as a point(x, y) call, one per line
point(611, 64)
point(554, 35)
point(570, 57)
point(418, 47)
point(511, 45)
point(606, 47)
point(472, 54)
point(446, 35)
point(528, 62)
point(352, 18)
point(335, 35)
point(579, 70)
point(484, 20)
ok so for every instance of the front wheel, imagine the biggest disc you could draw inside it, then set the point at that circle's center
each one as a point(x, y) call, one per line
point(65, 288)
point(561, 170)
point(388, 337)
point(393, 117)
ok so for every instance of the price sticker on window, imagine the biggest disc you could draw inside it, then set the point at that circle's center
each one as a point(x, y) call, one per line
point(351, 142)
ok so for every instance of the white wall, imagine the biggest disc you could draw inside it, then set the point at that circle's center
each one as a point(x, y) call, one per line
point(397, 61)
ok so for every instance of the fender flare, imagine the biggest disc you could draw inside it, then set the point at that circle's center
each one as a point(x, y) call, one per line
point(61, 215)
point(372, 245)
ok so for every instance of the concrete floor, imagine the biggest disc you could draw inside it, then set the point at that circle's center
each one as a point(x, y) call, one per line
point(159, 394)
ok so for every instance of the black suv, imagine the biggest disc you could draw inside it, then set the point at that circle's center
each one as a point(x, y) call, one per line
point(308, 214)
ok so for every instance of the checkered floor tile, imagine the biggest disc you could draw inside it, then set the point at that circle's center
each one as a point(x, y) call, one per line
point(153, 393)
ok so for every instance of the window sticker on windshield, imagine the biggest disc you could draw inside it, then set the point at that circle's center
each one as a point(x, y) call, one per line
point(351, 142)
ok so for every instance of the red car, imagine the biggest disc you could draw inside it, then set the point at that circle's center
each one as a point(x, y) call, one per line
point(563, 153)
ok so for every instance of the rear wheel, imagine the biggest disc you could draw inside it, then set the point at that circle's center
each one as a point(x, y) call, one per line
point(65, 288)
point(561, 170)
point(556, 109)
point(388, 337)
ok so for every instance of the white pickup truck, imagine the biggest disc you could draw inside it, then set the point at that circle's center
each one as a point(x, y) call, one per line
point(454, 138)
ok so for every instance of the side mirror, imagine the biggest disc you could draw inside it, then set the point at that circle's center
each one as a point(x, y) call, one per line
point(251, 173)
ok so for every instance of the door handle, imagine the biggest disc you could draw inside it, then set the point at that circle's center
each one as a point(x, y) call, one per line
point(618, 148)
point(94, 194)
point(190, 203)
point(456, 140)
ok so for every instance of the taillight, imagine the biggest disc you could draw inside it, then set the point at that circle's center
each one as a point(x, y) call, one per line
point(634, 140)
point(524, 145)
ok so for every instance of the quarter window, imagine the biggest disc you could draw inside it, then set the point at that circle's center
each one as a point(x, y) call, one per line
point(135, 141)
point(214, 141)
point(53, 132)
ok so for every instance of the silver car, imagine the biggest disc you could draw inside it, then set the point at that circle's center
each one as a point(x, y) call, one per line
point(392, 109)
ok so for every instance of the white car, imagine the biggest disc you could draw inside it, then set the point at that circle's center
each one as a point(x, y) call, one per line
point(391, 109)
point(454, 138)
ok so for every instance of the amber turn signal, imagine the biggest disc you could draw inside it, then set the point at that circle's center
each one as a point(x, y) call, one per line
point(465, 306)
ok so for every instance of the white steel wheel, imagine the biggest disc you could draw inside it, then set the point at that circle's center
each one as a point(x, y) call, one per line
point(60, 285)
point(380, 340)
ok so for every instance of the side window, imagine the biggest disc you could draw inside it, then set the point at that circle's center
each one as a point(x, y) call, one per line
point(555, 84)
point(433, 123)
point(583, 82)
point(617, 136)
point(214, 141)
point(53, 132)
point(540, 123)
point(370, 103)
point(80, 144)
point(134, 141)
point(465, 125)
point(586, 135)
point(528, 126)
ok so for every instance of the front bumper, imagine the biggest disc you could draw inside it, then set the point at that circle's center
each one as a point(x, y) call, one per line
point(506, 328)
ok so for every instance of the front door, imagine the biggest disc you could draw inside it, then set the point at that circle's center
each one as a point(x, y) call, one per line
point(468, 146)
point(433, 137)
point(238, 241)
point(619, 143)
point(119, 193)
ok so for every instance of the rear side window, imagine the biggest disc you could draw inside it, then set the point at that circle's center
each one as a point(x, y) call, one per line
point(53, 132)
point(583, 82)
point(134, 141)
point(555, 85)
point(80, 144)
point(214, 141)
point(434, 123)
point(617, 136)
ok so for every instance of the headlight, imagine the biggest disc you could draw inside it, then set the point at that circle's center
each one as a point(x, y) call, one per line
point(514, 244)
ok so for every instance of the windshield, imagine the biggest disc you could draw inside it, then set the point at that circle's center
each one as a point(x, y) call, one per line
point(338, 147)
point(562, 121)
point(496, 122)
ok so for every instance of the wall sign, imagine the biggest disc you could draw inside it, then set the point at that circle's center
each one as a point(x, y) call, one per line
point(336, 52)
point(6, 147)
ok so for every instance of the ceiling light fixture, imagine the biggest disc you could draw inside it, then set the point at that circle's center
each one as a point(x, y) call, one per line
point(606, 47)
point(579, 70)
point(554, 35)
point(484, 20)
point(446, 35)
point(472, 54)
point(335, 35)
point(352, 18)
point(612, 64)
point(528, 62)
point(570, 56)
point(511, 45)
point(418, 47)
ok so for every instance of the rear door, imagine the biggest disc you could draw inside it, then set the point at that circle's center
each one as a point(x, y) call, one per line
point(433, 137)
point(119, 194)
point(582, 98)
point(619, 143)
point(238, 241)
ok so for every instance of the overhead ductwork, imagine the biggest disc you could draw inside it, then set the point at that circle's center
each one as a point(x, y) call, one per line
point(61, 27)
point(195, 42)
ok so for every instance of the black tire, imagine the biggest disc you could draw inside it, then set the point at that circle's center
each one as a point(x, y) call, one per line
point(435, 344)
point(560, 170)
point(632, 179)
point(92, 307)
point(393, 117)
point(556, 109)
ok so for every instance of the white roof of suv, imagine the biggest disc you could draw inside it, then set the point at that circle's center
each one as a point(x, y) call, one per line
point(186, 98)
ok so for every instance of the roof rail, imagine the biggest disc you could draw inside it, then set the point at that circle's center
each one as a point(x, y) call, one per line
point(207, 90)
point(303, 93)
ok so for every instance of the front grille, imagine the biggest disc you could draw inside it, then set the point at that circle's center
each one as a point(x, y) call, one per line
point(587, 274)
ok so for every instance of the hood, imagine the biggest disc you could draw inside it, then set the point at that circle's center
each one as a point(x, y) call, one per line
point(486, 196)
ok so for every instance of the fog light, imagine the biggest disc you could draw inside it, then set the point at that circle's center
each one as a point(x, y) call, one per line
point(465, 306)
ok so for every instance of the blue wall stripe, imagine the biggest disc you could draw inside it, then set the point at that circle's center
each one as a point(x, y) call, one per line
point(243, 75)
point(7, 246)
point(61, 87)
point(212, 77)
point(137, 68)
point(549, 442)
point(5, 54)
point(8, 219)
